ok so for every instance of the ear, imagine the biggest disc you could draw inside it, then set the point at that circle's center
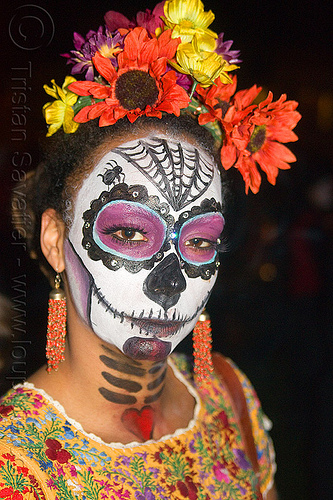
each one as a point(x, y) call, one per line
point(52, 237)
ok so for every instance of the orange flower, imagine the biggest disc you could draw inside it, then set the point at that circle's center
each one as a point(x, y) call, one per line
point(253, 136)
point(216, 99)
point(140, 86)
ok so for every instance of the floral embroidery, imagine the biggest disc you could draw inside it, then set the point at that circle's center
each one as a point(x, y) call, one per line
point(16, 481)
point(205, 461)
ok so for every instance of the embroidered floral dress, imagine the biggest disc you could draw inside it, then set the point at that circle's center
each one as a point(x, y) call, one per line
point(46, 455)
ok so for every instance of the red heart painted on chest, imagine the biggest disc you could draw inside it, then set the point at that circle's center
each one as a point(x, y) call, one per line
point(139, 422)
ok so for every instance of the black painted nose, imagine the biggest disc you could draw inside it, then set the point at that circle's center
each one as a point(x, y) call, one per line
point(165, 283)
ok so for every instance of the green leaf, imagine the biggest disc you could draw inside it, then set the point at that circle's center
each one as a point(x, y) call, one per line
point(83, 102)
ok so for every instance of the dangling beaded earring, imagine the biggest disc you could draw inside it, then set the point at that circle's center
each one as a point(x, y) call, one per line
point(202, 345)
point(56, 326)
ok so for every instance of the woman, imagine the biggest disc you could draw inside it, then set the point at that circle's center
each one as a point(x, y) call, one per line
point(128, 211)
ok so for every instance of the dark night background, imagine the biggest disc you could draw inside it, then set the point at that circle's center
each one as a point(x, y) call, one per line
point(272, 309)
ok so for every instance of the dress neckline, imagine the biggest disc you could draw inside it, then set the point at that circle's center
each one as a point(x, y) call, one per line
point(133, 444)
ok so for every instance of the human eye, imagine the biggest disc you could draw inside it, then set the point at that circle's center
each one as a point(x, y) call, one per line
point(200, 244)
point(126, 235)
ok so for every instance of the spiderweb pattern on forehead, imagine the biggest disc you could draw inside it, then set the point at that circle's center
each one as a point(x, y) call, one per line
point(180, 174)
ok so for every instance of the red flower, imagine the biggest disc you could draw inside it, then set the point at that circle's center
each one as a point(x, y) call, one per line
point(187, 488)
point(55, 451)
point(6, 409)
point(23, 470)
point(141, 85)
point(11, 494)
point(157, 457)
point(254, 134)
point(9, 457)
point(5, 492)
point(222, 416)
point(168, 449)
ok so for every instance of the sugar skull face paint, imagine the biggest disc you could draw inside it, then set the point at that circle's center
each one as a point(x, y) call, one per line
point(147, 221)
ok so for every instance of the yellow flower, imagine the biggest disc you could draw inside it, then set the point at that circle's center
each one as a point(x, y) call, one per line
point(204, 66)
point(187, 18)
point(60, 112)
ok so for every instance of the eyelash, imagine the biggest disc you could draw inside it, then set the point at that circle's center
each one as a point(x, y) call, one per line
point(111, 230)
point(222, 247)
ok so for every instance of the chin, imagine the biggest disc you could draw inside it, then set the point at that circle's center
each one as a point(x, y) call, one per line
point(147, 349)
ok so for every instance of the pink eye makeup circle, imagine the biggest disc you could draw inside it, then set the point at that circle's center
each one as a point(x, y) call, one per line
point(198, 238)
point(129, 230)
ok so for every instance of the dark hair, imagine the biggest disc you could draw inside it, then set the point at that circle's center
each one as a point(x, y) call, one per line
point(66, 157)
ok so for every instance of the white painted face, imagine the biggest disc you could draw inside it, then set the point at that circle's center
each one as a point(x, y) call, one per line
point(142, 251)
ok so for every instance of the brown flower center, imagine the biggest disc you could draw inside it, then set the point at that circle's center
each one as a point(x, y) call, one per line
point(258, 138)
point(224, 105)
point(136, 89)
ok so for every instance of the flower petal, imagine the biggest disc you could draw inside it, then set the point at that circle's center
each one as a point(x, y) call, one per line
point(115, 20)
point(104, 67)
point(54, 112)
point(69, 125)
point(53, 92)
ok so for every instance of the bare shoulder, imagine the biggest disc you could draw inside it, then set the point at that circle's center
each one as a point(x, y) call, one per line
point(272, 494)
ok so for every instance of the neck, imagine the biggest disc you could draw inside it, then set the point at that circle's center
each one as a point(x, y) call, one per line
point(117, 398)
point(131, 382)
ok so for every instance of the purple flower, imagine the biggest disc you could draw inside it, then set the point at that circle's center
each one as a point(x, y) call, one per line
point(115, 20)
point(191, 446)
point(211, 489)
point(125, 460)
point(223, 49)
point(143, 456)
point(148, 20)
point(86, 48)
point(148, 495)
point(241, 460)
point(154, 471)
point(184, 81)
point(151, 20)
point(203, 476)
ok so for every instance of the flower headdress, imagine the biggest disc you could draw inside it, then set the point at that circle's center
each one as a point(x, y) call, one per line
point(169, 61)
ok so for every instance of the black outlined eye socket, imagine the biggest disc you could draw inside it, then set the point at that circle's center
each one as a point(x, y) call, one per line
point(129, 229)
point(198, 238)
